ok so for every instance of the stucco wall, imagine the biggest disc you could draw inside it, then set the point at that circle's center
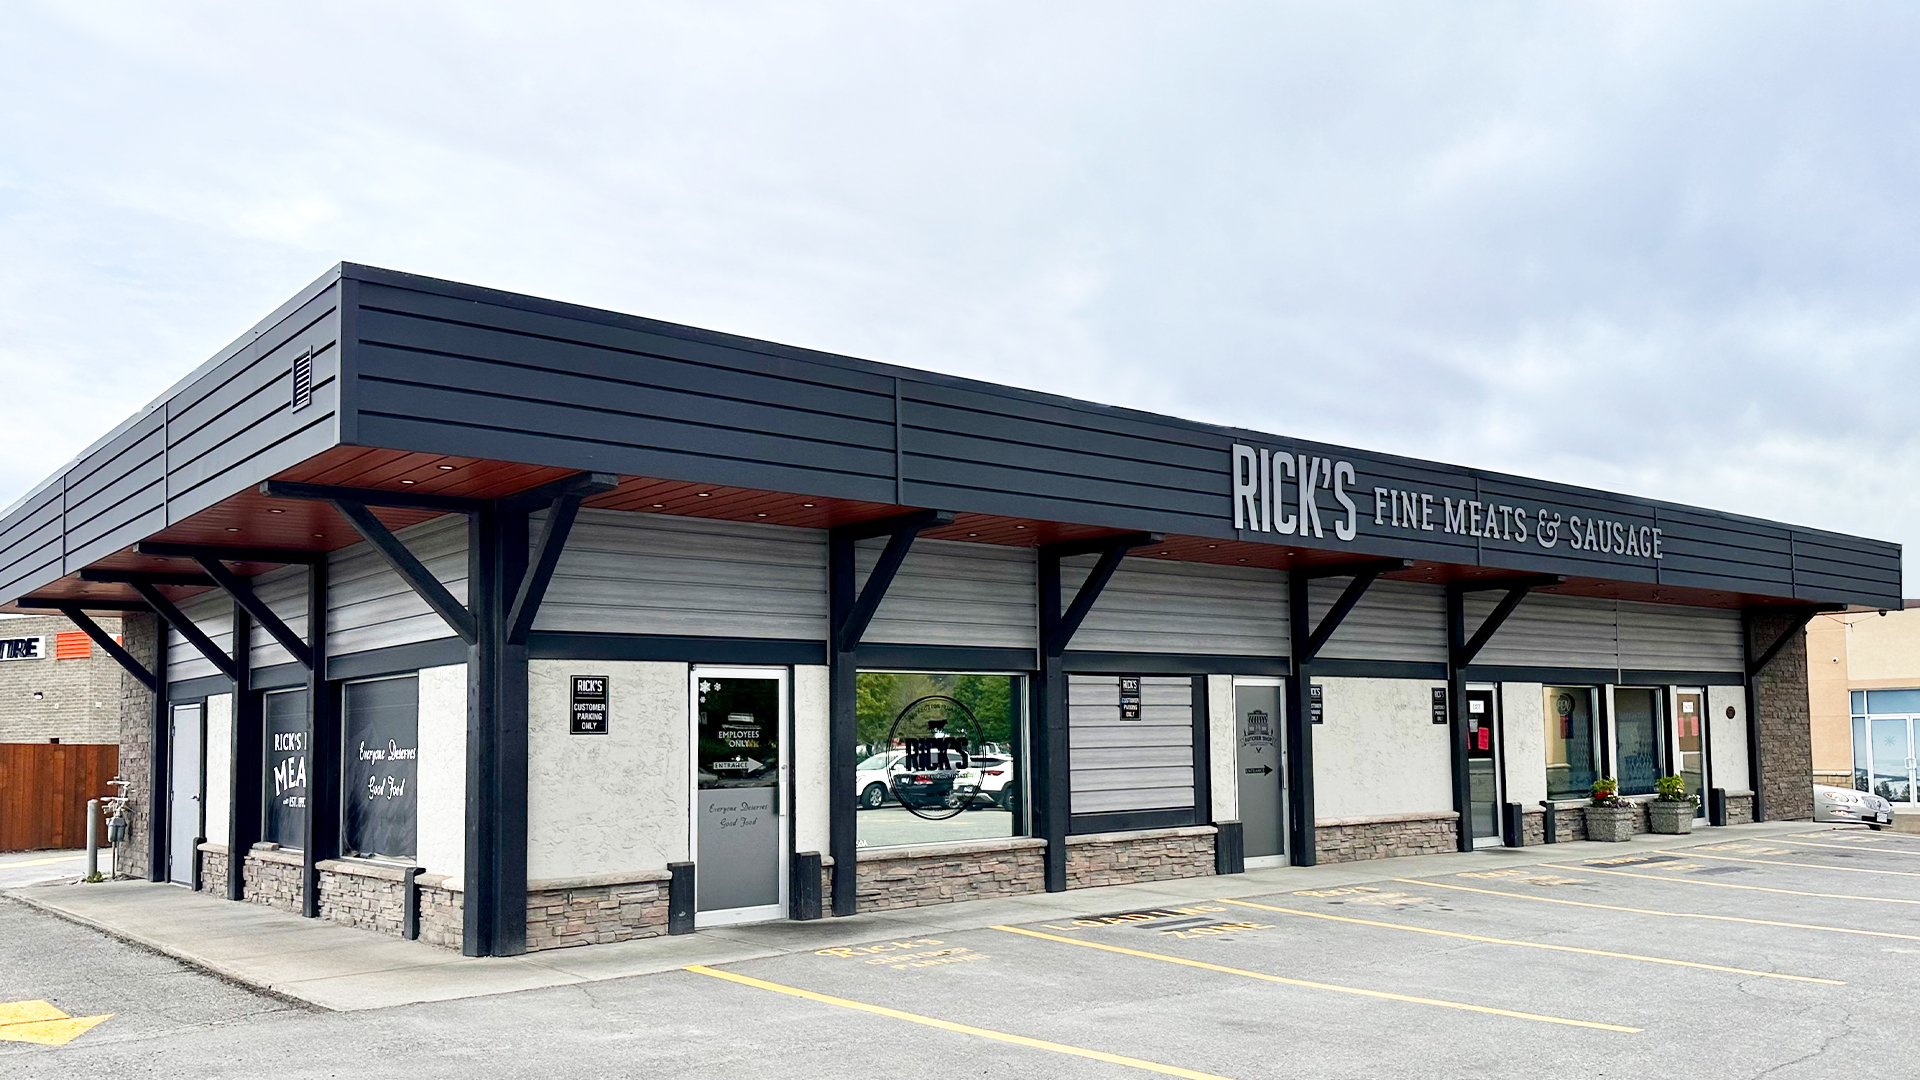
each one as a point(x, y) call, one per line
point(1379, 751)
point(1827, 691)
point(219, 794)
point(440, 836)
point(599, 804)
point(1222, 760)
point(811, 813)
point(1523, 737)
point(1727, 738)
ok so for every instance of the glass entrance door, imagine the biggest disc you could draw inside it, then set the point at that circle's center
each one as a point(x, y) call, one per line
point(1483, 764)
point(1891, 758)
point(739, 794)
point(1257, 714)
point(1688, 744)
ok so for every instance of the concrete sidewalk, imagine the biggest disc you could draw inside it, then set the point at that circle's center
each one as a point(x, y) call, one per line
point(341, 968)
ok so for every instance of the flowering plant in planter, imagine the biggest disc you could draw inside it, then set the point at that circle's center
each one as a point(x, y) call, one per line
point(1672, 808)
point(1609, 817)
point(1674, 789)
point(1606, 792)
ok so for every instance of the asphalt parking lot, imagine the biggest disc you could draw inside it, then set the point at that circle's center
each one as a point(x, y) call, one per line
point(1785, 956)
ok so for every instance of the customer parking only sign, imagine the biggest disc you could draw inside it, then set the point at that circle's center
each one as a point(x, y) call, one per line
point(587, 712)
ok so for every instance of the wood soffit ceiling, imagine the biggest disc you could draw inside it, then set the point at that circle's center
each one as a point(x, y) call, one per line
point(250, 519)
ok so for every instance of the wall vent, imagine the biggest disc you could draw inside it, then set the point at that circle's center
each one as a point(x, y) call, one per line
point(303, 380)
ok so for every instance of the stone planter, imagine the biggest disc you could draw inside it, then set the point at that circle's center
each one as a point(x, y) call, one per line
point(1609, 823)
point(1673, 818)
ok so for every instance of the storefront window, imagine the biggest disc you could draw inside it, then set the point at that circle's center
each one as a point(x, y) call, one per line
point(1572, 738)
point(286, 780)
point(940, 757)
point(382, 723)
point(1636, 731)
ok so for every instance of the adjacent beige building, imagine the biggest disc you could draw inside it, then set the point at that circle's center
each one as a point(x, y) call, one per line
point(1858, 666)
point(56, 685)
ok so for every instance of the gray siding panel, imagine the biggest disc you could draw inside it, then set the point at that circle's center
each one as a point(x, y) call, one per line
point(285, 592)
point(1395, 620)
point(369, 607)
point(212, 613)
point(1144, 764)
point(949, 593)
point(1548, 631)
point(1666, 637)
point(1161, 606)
point(630, 573)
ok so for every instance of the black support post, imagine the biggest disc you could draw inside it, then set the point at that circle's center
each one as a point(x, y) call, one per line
point(496, 842)
point(1461, 650)
point(322, 827)
point(246, 793)
point(162, 742)
point(1302, 848)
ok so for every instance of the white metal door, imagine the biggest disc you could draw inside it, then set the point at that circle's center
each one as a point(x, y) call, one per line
point(740, 794)
point(186, 809)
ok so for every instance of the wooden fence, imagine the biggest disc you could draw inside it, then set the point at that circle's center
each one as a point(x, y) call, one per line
point(44, 788)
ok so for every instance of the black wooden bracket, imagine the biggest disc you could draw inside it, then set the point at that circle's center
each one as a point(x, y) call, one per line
point(563, 507)
point(1364, 575)
point(179, 621)
point(112, 648)
point(170, 550)
point(900, 532)
point(1798, 618)
point(1111, 549)
point(242, 592)
point(411, 570)
point(398, 500)
point(1462, 652)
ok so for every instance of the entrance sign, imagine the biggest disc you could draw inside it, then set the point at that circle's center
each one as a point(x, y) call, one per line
point(587, 707)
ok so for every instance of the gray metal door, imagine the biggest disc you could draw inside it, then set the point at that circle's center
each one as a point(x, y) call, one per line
point(1257, 725)
point(186, 809)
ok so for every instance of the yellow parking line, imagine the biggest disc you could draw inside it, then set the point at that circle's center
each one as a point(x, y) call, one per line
point(41, 862)
point(948, 1025)
point(1731, 885)
point(1535, 944)
point(1857, 846)
point(1667, 914)
point(1695, 853)
point(1263, 976)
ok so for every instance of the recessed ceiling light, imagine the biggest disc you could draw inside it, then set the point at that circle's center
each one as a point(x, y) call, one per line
point(704, 494)
point(1166, 553)
point(319, 536)
point(232, 529)
point(659, 506)
point(759, 515)
point(409, 481)
point(446, 468)
point(973, 534)
point(272, 511)
point(1019, 526)
point(1243, 560)
point(1210, 547)
point(806, 504)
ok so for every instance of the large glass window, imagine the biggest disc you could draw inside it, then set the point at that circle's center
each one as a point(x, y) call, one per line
point(1636, 732)
point(940, 757)
point(286, 780)
point(1572, 739)
point(382, 749)
point(1886, 742)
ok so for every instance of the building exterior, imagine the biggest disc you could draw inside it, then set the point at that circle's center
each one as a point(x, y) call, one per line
point(516, 625)
point(1863, 676)
point(55, 684)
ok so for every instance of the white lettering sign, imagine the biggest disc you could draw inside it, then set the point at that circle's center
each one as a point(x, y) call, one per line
point(24, 648)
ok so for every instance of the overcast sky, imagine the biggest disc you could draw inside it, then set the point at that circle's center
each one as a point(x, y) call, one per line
point(1663, 249)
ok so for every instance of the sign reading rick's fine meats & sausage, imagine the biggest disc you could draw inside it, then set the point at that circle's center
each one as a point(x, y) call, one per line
point(587, 711)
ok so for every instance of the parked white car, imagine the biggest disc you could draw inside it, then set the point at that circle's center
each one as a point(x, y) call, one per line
point(873, 779)
point(991, 777)
point(1845, 804)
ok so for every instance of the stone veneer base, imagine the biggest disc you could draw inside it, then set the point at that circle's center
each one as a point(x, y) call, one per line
point(1387, 836)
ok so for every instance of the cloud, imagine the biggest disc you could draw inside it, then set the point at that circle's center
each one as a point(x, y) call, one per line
point(1668, 250)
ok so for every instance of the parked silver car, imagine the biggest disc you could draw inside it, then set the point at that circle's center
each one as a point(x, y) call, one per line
point(1845, 804)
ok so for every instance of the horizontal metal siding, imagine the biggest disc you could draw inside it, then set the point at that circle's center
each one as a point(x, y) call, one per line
point(1548, 631)
point(540, 387)
point(1160, 606)
point(950, 593)
point(1144, 764)
point(1667, 637)
point(212, 614)
point(629, 573)
point(369, 607)
point(32, 543)
point(116, 494)
point(1394, 620)
point(285, 592)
